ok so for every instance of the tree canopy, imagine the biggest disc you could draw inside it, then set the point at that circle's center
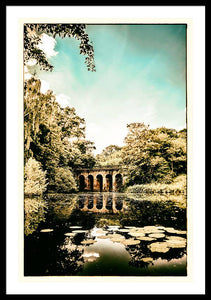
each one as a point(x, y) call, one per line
point(53, 135)
point(150, 155)
point(32, 39)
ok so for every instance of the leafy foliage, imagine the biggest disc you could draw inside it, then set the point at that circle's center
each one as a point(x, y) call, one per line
point(64, 181)
point(32, 39)
point(154, 154)
point(53, 135)
point(34, 213)
point(110, 156)
point(34, 178)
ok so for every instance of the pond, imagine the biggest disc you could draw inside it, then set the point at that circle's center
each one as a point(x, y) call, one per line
point(106, 234)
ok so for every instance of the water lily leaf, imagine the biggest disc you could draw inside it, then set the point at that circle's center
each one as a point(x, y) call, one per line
point(147, 259)
point(123, 230)
point(130, 242)
point(75, 227)
point(79, 231)
point(159, 247)
point(46, 230)
point(153, 229)
point(102, 237)
point(175, 244)
point(70, 234)
point(136, 234)
point(87, 242)
point(170, 229)
point(145, 238)
point(157, 235)
point(176, 238)
point(117, 239)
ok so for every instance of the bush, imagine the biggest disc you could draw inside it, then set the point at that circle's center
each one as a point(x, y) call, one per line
point(64, 181)
point(35, 182)
point(177, 186)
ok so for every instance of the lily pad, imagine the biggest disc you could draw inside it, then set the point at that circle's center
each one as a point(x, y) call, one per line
point(153, 229)
point(102, 237)
point(170, 229)
point(115, 235)
point(180, 232)
point(130, 227)
point(176, 238)
point(87, 242)
point(145, 238)
point(70, 234)
point(123, 230)
point(157, 235)
point(117, 239)
point(75, 227)
point(46, 230)
point(147, 259)
point(159, 247)
point(79, 231)
point(176, 244)
point(130, 242)
point(136, 234)
point(113, 228)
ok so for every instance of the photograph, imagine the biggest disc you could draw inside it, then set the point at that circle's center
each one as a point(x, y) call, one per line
point(105, 140)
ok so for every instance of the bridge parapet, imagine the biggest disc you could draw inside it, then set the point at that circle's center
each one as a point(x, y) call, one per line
point(104, 179)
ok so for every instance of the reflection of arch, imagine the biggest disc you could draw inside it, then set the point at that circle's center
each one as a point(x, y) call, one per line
point(118, 181)
point(109, 202)
point(90, 183)
point(99, 202)
point(109, 182)
point(119, 204)
point(99, 182)
point(81, 182)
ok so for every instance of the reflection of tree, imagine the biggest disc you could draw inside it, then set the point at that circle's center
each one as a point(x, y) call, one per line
point(142, 213)
point(62, 205)
point(68, 262)
point(34, 213)
point(137, 252)
point(141, 251)
point(51, 255)
point(173, 253)
point(84, 219)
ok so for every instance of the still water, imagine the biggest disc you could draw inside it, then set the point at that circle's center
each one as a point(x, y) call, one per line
point(106, 234)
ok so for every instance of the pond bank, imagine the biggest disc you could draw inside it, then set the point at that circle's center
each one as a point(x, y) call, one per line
point(178, 186)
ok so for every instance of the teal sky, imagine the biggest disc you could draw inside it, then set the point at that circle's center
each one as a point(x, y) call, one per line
point(140, 77)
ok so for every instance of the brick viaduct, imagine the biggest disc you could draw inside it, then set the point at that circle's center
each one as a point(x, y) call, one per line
point(100, 179)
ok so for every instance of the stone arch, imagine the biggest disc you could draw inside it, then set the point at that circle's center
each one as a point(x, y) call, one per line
point(118, 182)
point(82, 183)
point(90, 186)
point(109, 185)
point(99, 182)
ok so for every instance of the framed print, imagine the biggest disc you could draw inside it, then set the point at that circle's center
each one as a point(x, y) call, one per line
point(105, 126)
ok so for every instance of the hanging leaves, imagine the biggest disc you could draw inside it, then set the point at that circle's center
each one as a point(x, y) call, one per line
point(32, 39)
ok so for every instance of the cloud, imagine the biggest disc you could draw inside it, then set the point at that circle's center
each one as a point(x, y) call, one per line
point(47, 45)
point(63, 100)
point(44, 86)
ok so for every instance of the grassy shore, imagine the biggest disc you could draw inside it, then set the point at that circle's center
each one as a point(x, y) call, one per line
point(178, 186)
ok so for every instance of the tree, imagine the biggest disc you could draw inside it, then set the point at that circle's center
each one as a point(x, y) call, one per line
point(35, 182)
point(32, 39)
point(64, 181)
point(110, 156)
point(154, 154)
point(53, 135)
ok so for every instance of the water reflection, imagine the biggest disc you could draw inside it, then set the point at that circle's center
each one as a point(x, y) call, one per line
point(101, 203)
point(105, 234)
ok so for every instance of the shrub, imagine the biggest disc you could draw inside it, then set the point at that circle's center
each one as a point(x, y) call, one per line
point(35, 182)
point(64, 181)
